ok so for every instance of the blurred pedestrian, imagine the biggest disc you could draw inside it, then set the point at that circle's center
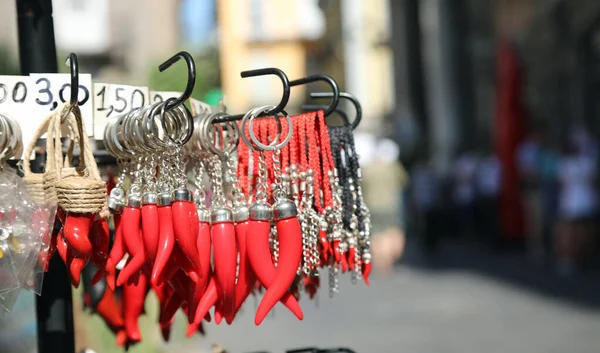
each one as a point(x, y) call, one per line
point(577, 206)
point(463, 193)
point(488, 181)
point(424, 192)
point(528, 154)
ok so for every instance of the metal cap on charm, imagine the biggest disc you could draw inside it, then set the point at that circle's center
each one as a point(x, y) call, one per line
point(241, 214)
point(116, 200)
point(164, 199)
point(260, 212)
point(204, 214)
point(134, 201)
point(149, 198)
point(221, 215)
point(284, 209)
point(182, 195)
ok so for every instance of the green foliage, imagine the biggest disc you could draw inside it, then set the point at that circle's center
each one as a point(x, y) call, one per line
point(173, 79)
point(8, 63)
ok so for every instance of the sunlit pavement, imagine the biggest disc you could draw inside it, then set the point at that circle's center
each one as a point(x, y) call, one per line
point(421, 310)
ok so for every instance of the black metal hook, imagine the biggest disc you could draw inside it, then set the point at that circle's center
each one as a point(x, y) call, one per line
point(345, 95)
point(284, 80)
point(73, 64)
point(191, 79)
point(262, 72)
point(335, 90)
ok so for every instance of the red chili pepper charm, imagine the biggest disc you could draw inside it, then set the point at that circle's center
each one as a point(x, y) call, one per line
point(324, 245)
point(182, 224)
point(352, 257)
point(166, 241)
point(259, 253)
point(290, 255)
point(134, 295)
point(75, 267)
point(118, 249)
point(208, 300)
point(132, 240)
point(173, 303)
point(100, 238)
point(366, 267)
point(337, 251)
point(246, 277)
point(204, 251)
point(74, 264)
point(225, 258)
point(150, 226)
point(111, 311)
point(344, 262)
point(77, 228)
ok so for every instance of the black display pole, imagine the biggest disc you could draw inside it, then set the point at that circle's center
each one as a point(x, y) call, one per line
point(54, 308)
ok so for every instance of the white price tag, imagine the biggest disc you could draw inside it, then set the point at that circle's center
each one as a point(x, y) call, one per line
point(156, 97)
point(112, 100)
point(199, 107)
point(16, 101)
point(51, 90)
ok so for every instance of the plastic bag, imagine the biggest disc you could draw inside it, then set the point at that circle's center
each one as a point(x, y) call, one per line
point(25, 230)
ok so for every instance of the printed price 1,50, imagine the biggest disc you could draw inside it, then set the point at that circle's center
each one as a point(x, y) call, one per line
point(112, 100)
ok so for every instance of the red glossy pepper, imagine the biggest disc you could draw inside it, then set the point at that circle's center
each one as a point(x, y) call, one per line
point(173, 303)
point(246, 278)
point(183, 228)
point(74, 264)
point(133, 241)
point(225, 259)
point(311, 284)
point(77, 228)
point(259, 253)
point(111, 311)
point(324, 247)
point(118, 249)
point(134, 295)
point(344, 262)
point(219, 312)
point(100, 238)
point(208, 300)
point(352, 257)
point(178, 262)
point(165, 330)
point(290, 255)
point(204, 251)
point(366, 268)
point(150, 226)
point(337, 252)
point(75, 267)
point(166, 241)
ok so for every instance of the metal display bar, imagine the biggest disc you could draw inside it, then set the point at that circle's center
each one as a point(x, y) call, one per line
point(54, 308)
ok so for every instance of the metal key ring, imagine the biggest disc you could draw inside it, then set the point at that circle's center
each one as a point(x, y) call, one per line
point(14, 137)
point(189, 125)
point(148, 129)
point(232, 141)
point(195, 145)
point(257, 111)
point(271, 146)
point(126, 130)
point(152, 129)
point(15, 143)
point(3, 134)
point(18, 133)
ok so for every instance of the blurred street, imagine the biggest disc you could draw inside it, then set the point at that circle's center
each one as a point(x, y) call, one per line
point(450, 305)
